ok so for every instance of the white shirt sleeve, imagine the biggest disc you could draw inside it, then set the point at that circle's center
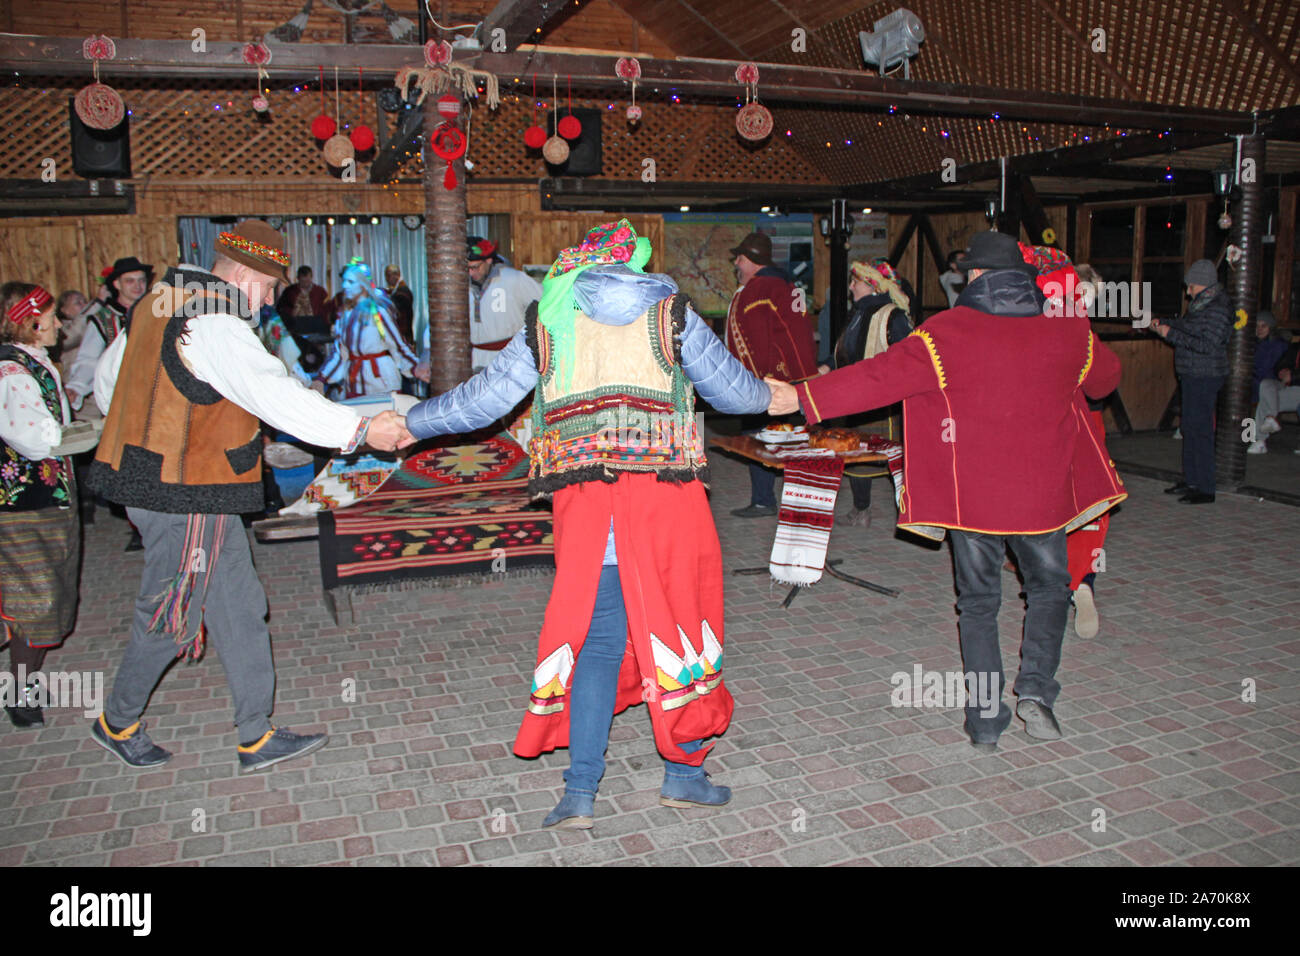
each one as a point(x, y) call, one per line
point(82, 374)
point(106, 370)
point(25, 423)
point(226, 354)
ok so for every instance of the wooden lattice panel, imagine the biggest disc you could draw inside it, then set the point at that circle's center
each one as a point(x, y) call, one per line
point(206, 128)
point(688, 143)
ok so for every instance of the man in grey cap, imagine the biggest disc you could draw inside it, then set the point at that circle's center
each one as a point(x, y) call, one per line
point(1200, 341)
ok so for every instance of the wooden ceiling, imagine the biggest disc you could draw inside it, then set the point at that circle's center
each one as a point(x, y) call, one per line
point(1236, 55)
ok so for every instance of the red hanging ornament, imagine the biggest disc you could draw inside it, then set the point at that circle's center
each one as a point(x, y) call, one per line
point(535, 135)
point(448, 106)
point(323, 126)
point(363, 138)
point(448, 144)
point(257, 54)
point(570, 127)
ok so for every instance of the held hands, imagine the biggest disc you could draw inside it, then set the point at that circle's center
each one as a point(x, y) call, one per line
point(1160, 329)
point(387, 432)
point(423, 372)
point(784, 398)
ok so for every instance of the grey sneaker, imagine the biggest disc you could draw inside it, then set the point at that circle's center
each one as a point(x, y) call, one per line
point(278, 745)
point(132, 746)
point(1040, 722)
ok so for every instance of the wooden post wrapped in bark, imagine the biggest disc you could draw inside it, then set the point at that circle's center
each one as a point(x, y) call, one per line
point(444, 244)
point(1234, 400)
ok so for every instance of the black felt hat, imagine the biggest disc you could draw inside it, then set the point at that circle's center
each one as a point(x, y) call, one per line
point(993, 250)
point(130, 264)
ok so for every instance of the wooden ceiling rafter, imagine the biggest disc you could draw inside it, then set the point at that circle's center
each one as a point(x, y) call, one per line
point(1266, 44)
point(1083, 44)
point(522, 20)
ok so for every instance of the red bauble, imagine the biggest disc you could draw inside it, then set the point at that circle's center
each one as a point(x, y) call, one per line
point(362, 138)
point(448, 106)
point(323, 127)
point(570, 127)
point(535, 137)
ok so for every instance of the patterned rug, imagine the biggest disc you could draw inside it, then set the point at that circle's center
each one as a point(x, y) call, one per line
point(449, 510)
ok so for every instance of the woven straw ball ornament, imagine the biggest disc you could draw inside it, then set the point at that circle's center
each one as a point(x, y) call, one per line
point(98, 105)
point(437, 53)
point(754, 122)
point(338, 150)
point(556, 151)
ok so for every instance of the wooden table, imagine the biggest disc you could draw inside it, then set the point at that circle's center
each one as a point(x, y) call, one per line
point(751, 448)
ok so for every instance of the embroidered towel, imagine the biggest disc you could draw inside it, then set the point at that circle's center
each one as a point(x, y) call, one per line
point(804, 526)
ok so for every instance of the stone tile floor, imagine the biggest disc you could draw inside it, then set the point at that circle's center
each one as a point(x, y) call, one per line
point(1194, 602)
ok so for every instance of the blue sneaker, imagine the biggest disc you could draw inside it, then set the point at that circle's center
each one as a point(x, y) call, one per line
point(575, 811)
point(132, 746)
point(278, 745)
point(693, 791)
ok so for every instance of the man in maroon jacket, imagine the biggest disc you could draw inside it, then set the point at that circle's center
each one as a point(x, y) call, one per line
point(301, 301)
point(770, 332)
point(998, 450)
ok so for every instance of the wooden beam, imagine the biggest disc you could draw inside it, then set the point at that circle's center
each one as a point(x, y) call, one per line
point(1283, 63)
point(904, 238)
point(1035, 216)
point(1048, 162)
point(700, 78)
point(521, 20)
point(1284, 256)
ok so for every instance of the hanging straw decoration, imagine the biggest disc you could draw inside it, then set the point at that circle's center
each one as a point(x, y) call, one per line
point(338, 148)
point(555, 150)
point(629, 68)
point(99, 106)
point(754, 121)
point(450, 76)
point(570, 127)
point(535, 135)
point(363, 138)
point(323, 126)
point(259, 55)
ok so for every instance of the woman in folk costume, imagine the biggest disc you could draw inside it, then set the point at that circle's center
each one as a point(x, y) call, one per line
point(880, 317)
point(40, 538)
point(370, 355)
point(614, 357)
point(1068, 294)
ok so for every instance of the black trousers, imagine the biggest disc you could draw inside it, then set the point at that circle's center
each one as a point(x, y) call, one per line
point(1200, 395)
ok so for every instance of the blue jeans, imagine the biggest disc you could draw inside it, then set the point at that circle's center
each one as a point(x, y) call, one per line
point(595, 689)
point(977, 564)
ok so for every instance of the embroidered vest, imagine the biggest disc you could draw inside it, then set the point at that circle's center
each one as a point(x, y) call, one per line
point(26, 485)
point(171, 443)
point(108, 321)
point(619, 403)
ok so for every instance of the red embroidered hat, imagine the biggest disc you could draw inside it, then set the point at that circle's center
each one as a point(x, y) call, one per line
point(255, 244)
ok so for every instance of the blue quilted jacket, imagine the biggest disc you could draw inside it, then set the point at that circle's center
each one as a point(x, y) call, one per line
point(612, 295)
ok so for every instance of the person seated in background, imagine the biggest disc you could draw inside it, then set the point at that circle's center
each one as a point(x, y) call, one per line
point(1280, 393)
point(1269, 349)
point(69, 309)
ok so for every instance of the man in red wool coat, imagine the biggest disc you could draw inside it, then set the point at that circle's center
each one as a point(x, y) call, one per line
point(997, 451)
point(769, 331)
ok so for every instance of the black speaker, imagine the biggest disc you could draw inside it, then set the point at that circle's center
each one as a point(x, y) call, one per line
point(100, 153)
point(584, 152)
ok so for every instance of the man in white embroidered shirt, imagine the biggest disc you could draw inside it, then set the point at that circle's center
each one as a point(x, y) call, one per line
point(182, 451)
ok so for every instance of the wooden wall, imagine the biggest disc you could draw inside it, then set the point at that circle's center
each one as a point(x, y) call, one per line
point(68, 251)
